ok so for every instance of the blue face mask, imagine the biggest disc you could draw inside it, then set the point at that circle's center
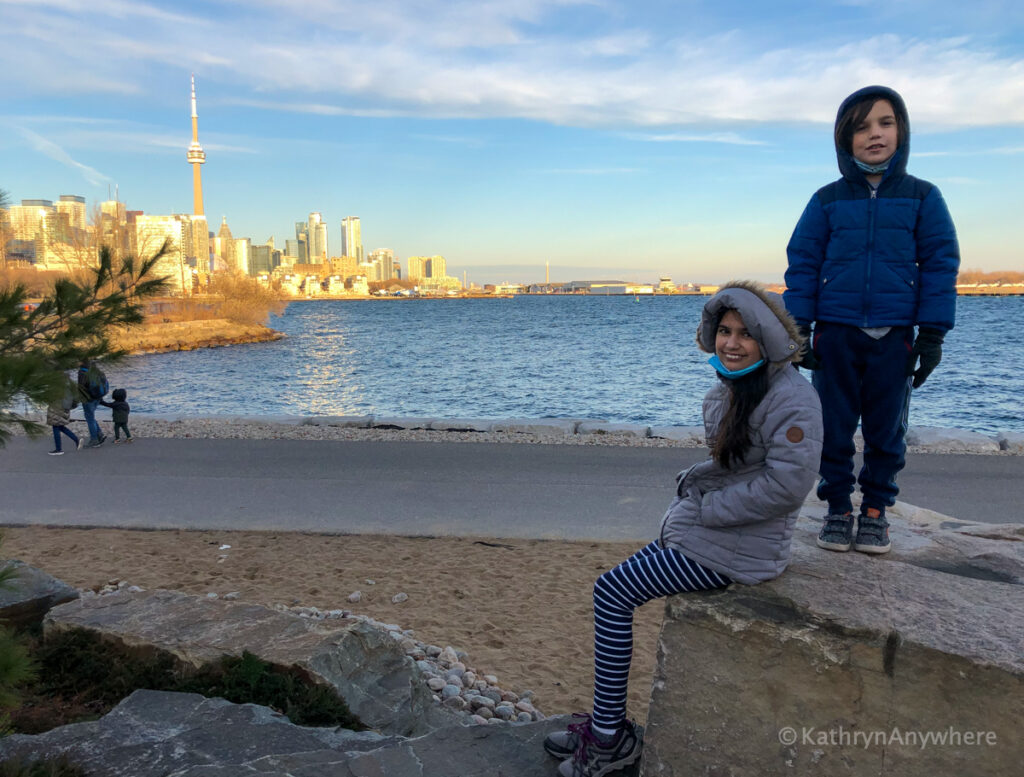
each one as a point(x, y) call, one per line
point(873, 169)
point(725, 372)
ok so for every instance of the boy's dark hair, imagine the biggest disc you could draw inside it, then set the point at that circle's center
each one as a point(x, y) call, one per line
point(856, 113)
point(120, 395)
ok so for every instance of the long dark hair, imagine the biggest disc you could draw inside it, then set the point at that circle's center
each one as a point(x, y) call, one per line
point(733, 439)
point(857, 112)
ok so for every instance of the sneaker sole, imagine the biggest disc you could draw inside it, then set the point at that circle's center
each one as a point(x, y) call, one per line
point(557, 752)
point(629, 760)
point(873, 550)
point(836, 546)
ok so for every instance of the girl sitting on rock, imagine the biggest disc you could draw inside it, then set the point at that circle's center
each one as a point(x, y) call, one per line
point(733, 515)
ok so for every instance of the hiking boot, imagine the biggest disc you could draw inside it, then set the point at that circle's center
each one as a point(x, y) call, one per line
point(55, 453)
point(837, 532)
point(594, 758)
point(872, 532)
point(562, 744)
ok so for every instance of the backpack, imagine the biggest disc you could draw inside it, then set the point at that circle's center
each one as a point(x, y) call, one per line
point(98, 384)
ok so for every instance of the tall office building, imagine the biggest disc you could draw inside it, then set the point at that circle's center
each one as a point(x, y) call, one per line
point(113, 227)
point(385, 259)
point(33, 228)
point(224, 246)
point(150, 234)
point(436, 267)
point(415, 270)
point(351, 238)
point(242, 246)
point(316, 236)
point(73, 207)
point(301, 243)
point(196, 157)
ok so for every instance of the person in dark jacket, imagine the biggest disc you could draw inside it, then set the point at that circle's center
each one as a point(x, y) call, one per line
point(873, 256)
point(90, 388)
point(58, 416)
point(732, 517)
point(119, 414)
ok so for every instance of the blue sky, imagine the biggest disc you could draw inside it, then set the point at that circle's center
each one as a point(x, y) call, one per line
point(611, 139)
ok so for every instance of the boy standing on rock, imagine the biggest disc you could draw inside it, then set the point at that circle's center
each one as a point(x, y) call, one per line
point(874, 255)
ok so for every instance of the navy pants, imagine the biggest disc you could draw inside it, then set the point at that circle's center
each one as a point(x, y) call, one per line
point(862, 379)
point(89, 410)
point(649, 573)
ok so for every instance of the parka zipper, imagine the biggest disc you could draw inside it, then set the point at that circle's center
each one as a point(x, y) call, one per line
point(872, 207)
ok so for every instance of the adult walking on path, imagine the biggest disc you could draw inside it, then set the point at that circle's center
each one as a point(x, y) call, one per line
point(58, 416)
point(93, 386)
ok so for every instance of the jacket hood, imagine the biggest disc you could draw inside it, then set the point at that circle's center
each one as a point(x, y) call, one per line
point(764, 315)
point(898, 165)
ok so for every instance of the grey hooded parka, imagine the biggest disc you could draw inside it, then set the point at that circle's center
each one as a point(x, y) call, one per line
point(739, 520)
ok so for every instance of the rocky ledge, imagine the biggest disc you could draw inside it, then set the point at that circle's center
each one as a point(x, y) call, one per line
point(189, 335)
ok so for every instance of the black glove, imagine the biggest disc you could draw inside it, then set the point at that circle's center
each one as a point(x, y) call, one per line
point(927, 346)
point(808, 360)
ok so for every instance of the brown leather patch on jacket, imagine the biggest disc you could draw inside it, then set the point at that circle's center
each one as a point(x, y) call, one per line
point(794, 434)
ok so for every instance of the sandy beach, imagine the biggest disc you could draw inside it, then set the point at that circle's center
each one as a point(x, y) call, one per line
point(519, 608)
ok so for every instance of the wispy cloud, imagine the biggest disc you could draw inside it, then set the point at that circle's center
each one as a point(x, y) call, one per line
point(730, 138)
point(58, 154)
point(592, 171)
point(545, 60)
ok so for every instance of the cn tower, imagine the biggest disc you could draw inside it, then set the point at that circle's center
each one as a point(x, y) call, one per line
point(196, 157)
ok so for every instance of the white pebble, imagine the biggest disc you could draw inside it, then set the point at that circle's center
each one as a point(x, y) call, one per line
point(355, 596)
point(399, 598)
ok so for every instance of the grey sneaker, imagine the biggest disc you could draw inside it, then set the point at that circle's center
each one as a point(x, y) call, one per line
point(872, 533)
point(562, 744)
point(837, 532)
point(594, 758)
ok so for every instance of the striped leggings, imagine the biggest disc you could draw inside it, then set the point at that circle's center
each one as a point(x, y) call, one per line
point(650, 573)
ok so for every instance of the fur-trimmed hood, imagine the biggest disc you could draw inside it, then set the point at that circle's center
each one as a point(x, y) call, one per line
point(763, 313)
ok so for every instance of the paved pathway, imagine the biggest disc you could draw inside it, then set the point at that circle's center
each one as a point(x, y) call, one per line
point(469, 489)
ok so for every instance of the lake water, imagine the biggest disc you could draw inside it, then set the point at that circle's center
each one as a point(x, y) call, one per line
point(614, 358)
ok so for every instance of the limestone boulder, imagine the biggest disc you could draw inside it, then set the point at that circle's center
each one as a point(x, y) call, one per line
point(543, 427)
point(605, 427)
point(30, 594)
point(161, 734)
point(907, 664)
point(365, 665)
point(938, 440)
point(694, 435)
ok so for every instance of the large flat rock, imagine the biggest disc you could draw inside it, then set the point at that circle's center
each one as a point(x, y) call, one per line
point(368, 669)
point(30, 594)
point(846, 663)
point(161, 734)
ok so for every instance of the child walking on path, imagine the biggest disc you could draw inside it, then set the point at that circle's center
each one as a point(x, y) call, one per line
point(874, 255)
point(120, 410)
point(58, 416)
point(733, 515)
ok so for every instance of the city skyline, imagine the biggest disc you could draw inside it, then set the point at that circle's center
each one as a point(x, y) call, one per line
point(604, 139)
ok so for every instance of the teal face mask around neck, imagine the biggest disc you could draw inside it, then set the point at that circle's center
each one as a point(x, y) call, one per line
point(725, 372)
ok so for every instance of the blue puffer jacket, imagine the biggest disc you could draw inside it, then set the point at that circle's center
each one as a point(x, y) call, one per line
point(885, 257)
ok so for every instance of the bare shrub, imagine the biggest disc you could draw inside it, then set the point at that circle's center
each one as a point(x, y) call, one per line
point(243, 299)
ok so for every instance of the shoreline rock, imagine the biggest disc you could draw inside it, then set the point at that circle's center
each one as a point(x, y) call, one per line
point(190, 335)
